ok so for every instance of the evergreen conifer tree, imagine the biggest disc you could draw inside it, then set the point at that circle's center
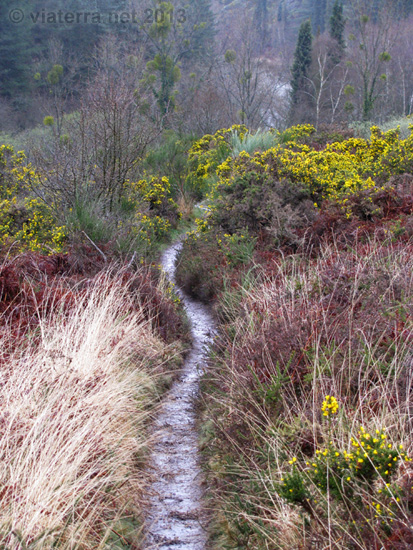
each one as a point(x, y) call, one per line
point(261, 20)
point(302, 61)
point(15, 49)
point(337, 25)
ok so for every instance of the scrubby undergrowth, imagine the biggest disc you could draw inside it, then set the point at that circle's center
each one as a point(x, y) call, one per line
point(306, 253)
point(287, 475)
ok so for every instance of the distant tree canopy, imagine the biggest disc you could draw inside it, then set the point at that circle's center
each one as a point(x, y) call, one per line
point(338, 55)
point(23, 42)
point(15, 51)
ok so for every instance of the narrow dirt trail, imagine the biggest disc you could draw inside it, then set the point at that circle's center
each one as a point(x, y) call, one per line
point(175, 517)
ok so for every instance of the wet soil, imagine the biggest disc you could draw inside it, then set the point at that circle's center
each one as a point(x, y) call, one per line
point(175, 517)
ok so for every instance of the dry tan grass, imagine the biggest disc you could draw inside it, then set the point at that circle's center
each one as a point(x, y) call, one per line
point(72, 422)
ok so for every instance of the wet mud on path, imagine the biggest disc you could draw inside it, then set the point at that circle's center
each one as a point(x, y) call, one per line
point(175, 518)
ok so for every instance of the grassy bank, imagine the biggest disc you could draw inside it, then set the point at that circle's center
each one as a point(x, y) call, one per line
point(83, 361)
point(306, 254)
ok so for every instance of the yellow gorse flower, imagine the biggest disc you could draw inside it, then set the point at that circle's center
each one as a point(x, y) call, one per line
point(329, 406)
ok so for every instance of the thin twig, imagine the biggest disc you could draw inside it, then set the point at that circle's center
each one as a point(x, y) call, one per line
point(96, 246)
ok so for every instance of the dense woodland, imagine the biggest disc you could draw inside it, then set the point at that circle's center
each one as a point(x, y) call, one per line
point(313, 61)
point(275, 138)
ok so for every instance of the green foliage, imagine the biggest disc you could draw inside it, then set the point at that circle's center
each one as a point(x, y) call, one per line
point(230, 56)
point(237, 248)
point(174, 40)
point(54, 75)
point(302, 61)
point(385, 57)
point(167, 73)
point(170, 157)
point(87, 217)
point(337, 24)
point(293, 488)
point(48, 121)
point(259, 141)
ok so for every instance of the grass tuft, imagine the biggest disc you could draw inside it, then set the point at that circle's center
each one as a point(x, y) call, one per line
point(72, 426)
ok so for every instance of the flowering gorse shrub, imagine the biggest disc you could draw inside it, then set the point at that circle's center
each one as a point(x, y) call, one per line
point(329, 406)
point(15, 173)
point(339, 170)
point(26, 222)
point(207, 154)
point(296, 133)
point(30, 223)
point(363, 475)
point(150, 227)
point(154, 190)
point(154, 195)
point(370, 458)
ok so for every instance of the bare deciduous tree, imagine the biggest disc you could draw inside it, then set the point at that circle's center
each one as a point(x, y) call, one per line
point(101, 145)
point(327, 81)
point(369, 52)
point(252, 85)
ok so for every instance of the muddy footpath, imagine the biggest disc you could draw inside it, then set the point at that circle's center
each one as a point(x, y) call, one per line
point(175, 516)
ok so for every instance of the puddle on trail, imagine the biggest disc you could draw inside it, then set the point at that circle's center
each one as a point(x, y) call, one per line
point(175, 518)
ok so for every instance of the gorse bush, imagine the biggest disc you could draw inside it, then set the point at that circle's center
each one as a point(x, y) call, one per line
point(255, 202)
point(25, 221)
point(206, 155)
point(340, 169)
point(29, 224)
point(337, 171)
